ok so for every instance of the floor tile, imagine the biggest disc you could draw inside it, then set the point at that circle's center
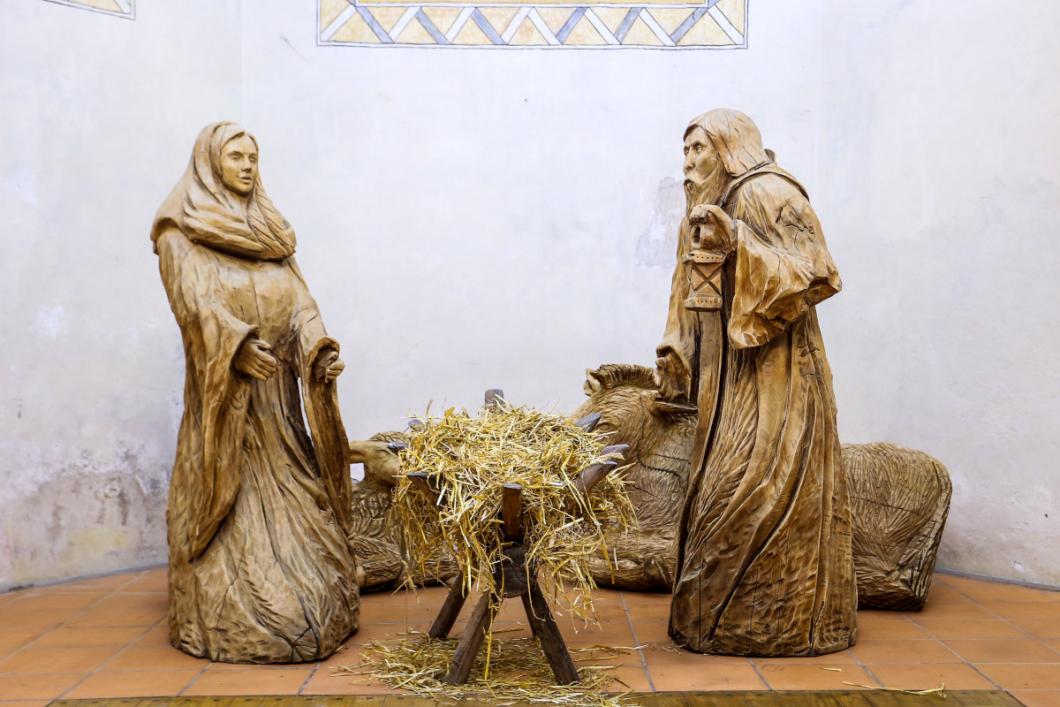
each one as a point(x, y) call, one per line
point(970, 628)
point(24, 703)
point(108, 583)
point(954, 676)
point(840, 658)
point(1021, 611)
point(629, 677)
point(377, 632)
point(998, 591)
point(150, 581)
point(57, 600)
point(875, 625)
point(115, 626)
point(152, 657)
point(250, 682)
point(899, 651)
point(941, 592)
point(651, 631)
point(28, 619)
point(82, 637)
point(124, 610)
point(141, 683)
point(1023, 676)
point(8, 597)
point(954, 610)
point(36, 686)
point(1014, 650)
point(684, 671)
point(1037, 698)
point(1041, 628)
point(57, 660)
point(591, 654)
point(838, 676)
point(324, 682)
point(614, 634)
point(11, 639)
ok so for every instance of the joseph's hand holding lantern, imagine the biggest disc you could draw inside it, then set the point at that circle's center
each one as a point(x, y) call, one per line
point(713, 238)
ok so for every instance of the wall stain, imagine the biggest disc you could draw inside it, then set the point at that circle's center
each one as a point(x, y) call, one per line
point(657, 245)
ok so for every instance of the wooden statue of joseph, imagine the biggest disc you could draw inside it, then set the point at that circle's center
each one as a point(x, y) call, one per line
point(764, 563)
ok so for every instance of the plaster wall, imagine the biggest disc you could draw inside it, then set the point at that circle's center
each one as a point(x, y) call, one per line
point(938, 177)
point(470, 219)
point(98, 116)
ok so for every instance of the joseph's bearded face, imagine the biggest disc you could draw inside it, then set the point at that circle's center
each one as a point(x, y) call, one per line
point(705, 175)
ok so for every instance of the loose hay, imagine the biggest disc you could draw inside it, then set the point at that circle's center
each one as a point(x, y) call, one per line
point(470, 459)
point(519, 672)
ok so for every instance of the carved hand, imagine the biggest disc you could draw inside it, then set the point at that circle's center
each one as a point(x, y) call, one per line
point(253, 359)
point(670, 377)
point(328, 366)
point(715, 229)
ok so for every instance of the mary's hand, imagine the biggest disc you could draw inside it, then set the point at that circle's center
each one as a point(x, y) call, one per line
point(328, 366)
point(253, 359)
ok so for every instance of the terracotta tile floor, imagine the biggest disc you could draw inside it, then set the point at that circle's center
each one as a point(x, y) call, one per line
point(106, 637)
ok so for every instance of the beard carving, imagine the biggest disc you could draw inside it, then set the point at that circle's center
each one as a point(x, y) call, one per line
point(705, 190)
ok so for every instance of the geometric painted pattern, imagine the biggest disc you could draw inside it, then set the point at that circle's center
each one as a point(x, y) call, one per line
point(118, 8)
point(545, 24)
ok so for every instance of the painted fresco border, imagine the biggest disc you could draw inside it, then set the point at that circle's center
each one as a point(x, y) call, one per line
point(126, 8)
point(359, 24)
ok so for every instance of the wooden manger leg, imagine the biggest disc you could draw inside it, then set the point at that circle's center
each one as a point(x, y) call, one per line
point(547, 632)
point(530, 618)
point(454, 602)
point(470, 641)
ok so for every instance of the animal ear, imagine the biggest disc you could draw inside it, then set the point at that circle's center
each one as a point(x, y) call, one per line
point(592, 383)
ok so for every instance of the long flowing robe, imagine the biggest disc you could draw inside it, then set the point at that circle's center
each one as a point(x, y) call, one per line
point(260, 568)
point(764, 561)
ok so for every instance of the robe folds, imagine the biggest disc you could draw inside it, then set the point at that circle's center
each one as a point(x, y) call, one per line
point(764, 563)
point(260, 569)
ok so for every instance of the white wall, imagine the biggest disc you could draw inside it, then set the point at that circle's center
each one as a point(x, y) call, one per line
point(939, 178)
point(99, 114)
point(470, 219)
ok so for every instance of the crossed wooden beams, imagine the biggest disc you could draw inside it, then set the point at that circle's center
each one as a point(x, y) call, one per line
point(515, 577)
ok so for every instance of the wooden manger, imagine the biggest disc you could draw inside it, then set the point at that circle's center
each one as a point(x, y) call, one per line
point(515, 577)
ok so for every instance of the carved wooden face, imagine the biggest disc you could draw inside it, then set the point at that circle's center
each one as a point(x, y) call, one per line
point(701, 159)
point(239, 164)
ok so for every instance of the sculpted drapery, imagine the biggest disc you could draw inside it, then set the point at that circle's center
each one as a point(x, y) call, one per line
point(764, 561)
point(260, 569)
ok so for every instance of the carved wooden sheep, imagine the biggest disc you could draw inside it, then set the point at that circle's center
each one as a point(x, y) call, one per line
point(660, 446)
point(375, 539)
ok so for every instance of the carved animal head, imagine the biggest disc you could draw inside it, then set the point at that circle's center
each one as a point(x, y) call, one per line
point(379, 455)
point(660, 440)
point(625, 395)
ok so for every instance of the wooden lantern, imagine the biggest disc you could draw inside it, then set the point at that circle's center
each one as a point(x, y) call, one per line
point(704, 276)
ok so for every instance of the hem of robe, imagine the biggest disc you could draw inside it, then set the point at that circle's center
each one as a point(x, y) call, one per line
point(722, 646)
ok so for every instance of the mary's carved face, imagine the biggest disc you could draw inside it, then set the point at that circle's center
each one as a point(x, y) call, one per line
point(239, 164)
